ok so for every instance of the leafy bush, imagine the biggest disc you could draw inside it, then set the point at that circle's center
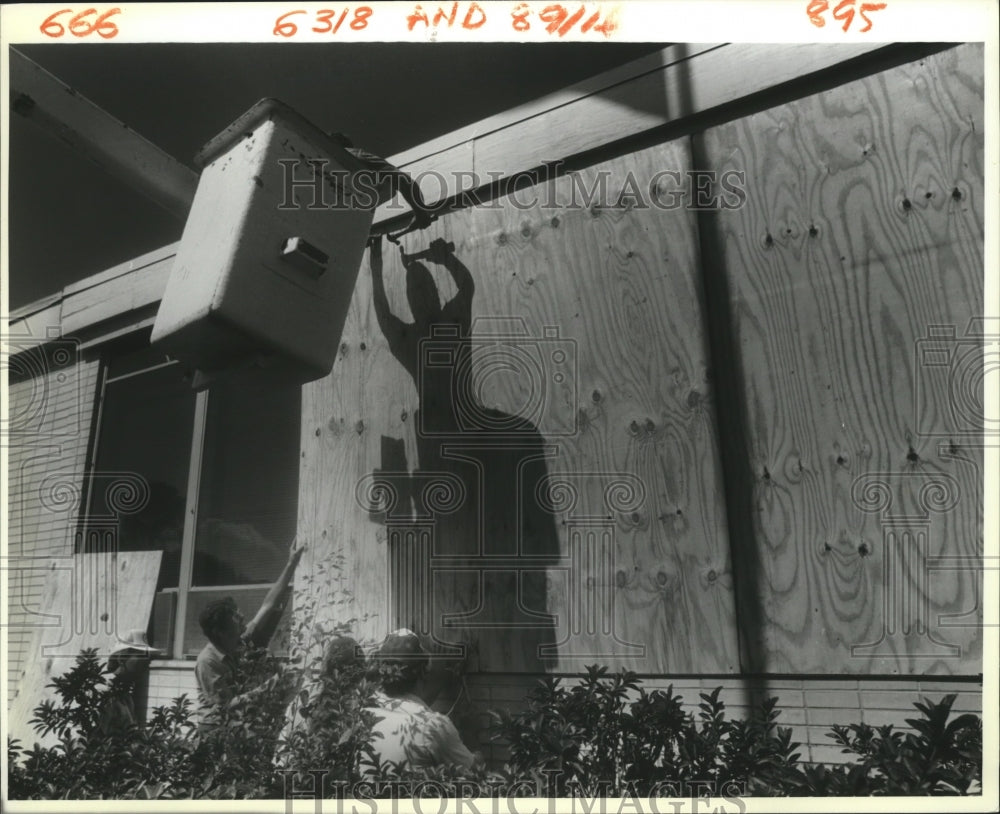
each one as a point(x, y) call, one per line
point(332, 732)
point(593, 740)
point(606, 735)
point(143, 758)
point(939, 757)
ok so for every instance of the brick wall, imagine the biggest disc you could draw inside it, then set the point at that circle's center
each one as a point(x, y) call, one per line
point(169, 680)
point(51, 401)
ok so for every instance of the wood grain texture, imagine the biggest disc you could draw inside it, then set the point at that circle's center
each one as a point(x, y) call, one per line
point(615, 288)
point(863, 230)
point(89, 601)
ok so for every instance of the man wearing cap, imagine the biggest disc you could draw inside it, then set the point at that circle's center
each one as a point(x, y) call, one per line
point(408, 732)
point(223, 624)
point(129, 664)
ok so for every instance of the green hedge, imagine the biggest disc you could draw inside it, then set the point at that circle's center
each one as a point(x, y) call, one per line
point(603, 736)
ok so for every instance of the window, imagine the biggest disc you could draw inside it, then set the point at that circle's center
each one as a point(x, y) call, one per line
point(220, 468)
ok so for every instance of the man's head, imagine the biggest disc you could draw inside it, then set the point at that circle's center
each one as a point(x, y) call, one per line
point(130, 659)
point(128, 665)
point(343, 655)
point(223, 624)
point(401, 662)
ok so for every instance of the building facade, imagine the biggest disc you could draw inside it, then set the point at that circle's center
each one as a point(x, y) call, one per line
point(687, 386)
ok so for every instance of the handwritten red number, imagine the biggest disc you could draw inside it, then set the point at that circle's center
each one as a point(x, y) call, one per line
point(340, 21)
point(519, 17)
point(609, 25)
point(844, 10)
point(78, 27)
point(868, 7)
point(51, 28)
point(554, 16)
point(78, 24)
point(106, 29)
point(361, 15)
point(590, 22)
point(326, 21)
point(324, 15)
point(564, 29)
point(560, 21)
point(815, 11)
point(284, 27)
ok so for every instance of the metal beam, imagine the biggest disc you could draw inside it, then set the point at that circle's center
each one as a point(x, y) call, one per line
point(40, 97)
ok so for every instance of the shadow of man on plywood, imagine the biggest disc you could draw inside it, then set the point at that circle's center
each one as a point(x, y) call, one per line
point(476, 541)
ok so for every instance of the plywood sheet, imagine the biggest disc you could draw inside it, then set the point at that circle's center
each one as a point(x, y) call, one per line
point(861, 237)
point(587, 466)
point(89, 601)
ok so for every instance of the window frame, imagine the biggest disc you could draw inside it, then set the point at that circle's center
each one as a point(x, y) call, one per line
point(175, 649)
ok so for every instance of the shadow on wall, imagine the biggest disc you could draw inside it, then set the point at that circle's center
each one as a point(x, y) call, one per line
point(469, 542)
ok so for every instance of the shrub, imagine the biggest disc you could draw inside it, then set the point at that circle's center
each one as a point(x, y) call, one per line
point(331, 732)
point(593, 740)
point(939, 757)
point(606, 735)
point(143, 758)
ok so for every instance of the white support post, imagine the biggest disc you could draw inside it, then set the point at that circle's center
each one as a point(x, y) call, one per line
point(190, 521)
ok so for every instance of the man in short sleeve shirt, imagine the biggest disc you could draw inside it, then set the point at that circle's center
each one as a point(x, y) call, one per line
point(408, 732)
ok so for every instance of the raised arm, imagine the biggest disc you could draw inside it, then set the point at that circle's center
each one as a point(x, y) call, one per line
point(443, 254)
point(391, 325)
point(261, 628)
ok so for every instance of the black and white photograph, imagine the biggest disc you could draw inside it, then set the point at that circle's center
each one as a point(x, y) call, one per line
point(498, 407)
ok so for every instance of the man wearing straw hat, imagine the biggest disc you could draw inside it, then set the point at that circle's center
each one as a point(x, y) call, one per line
point(129, 664)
